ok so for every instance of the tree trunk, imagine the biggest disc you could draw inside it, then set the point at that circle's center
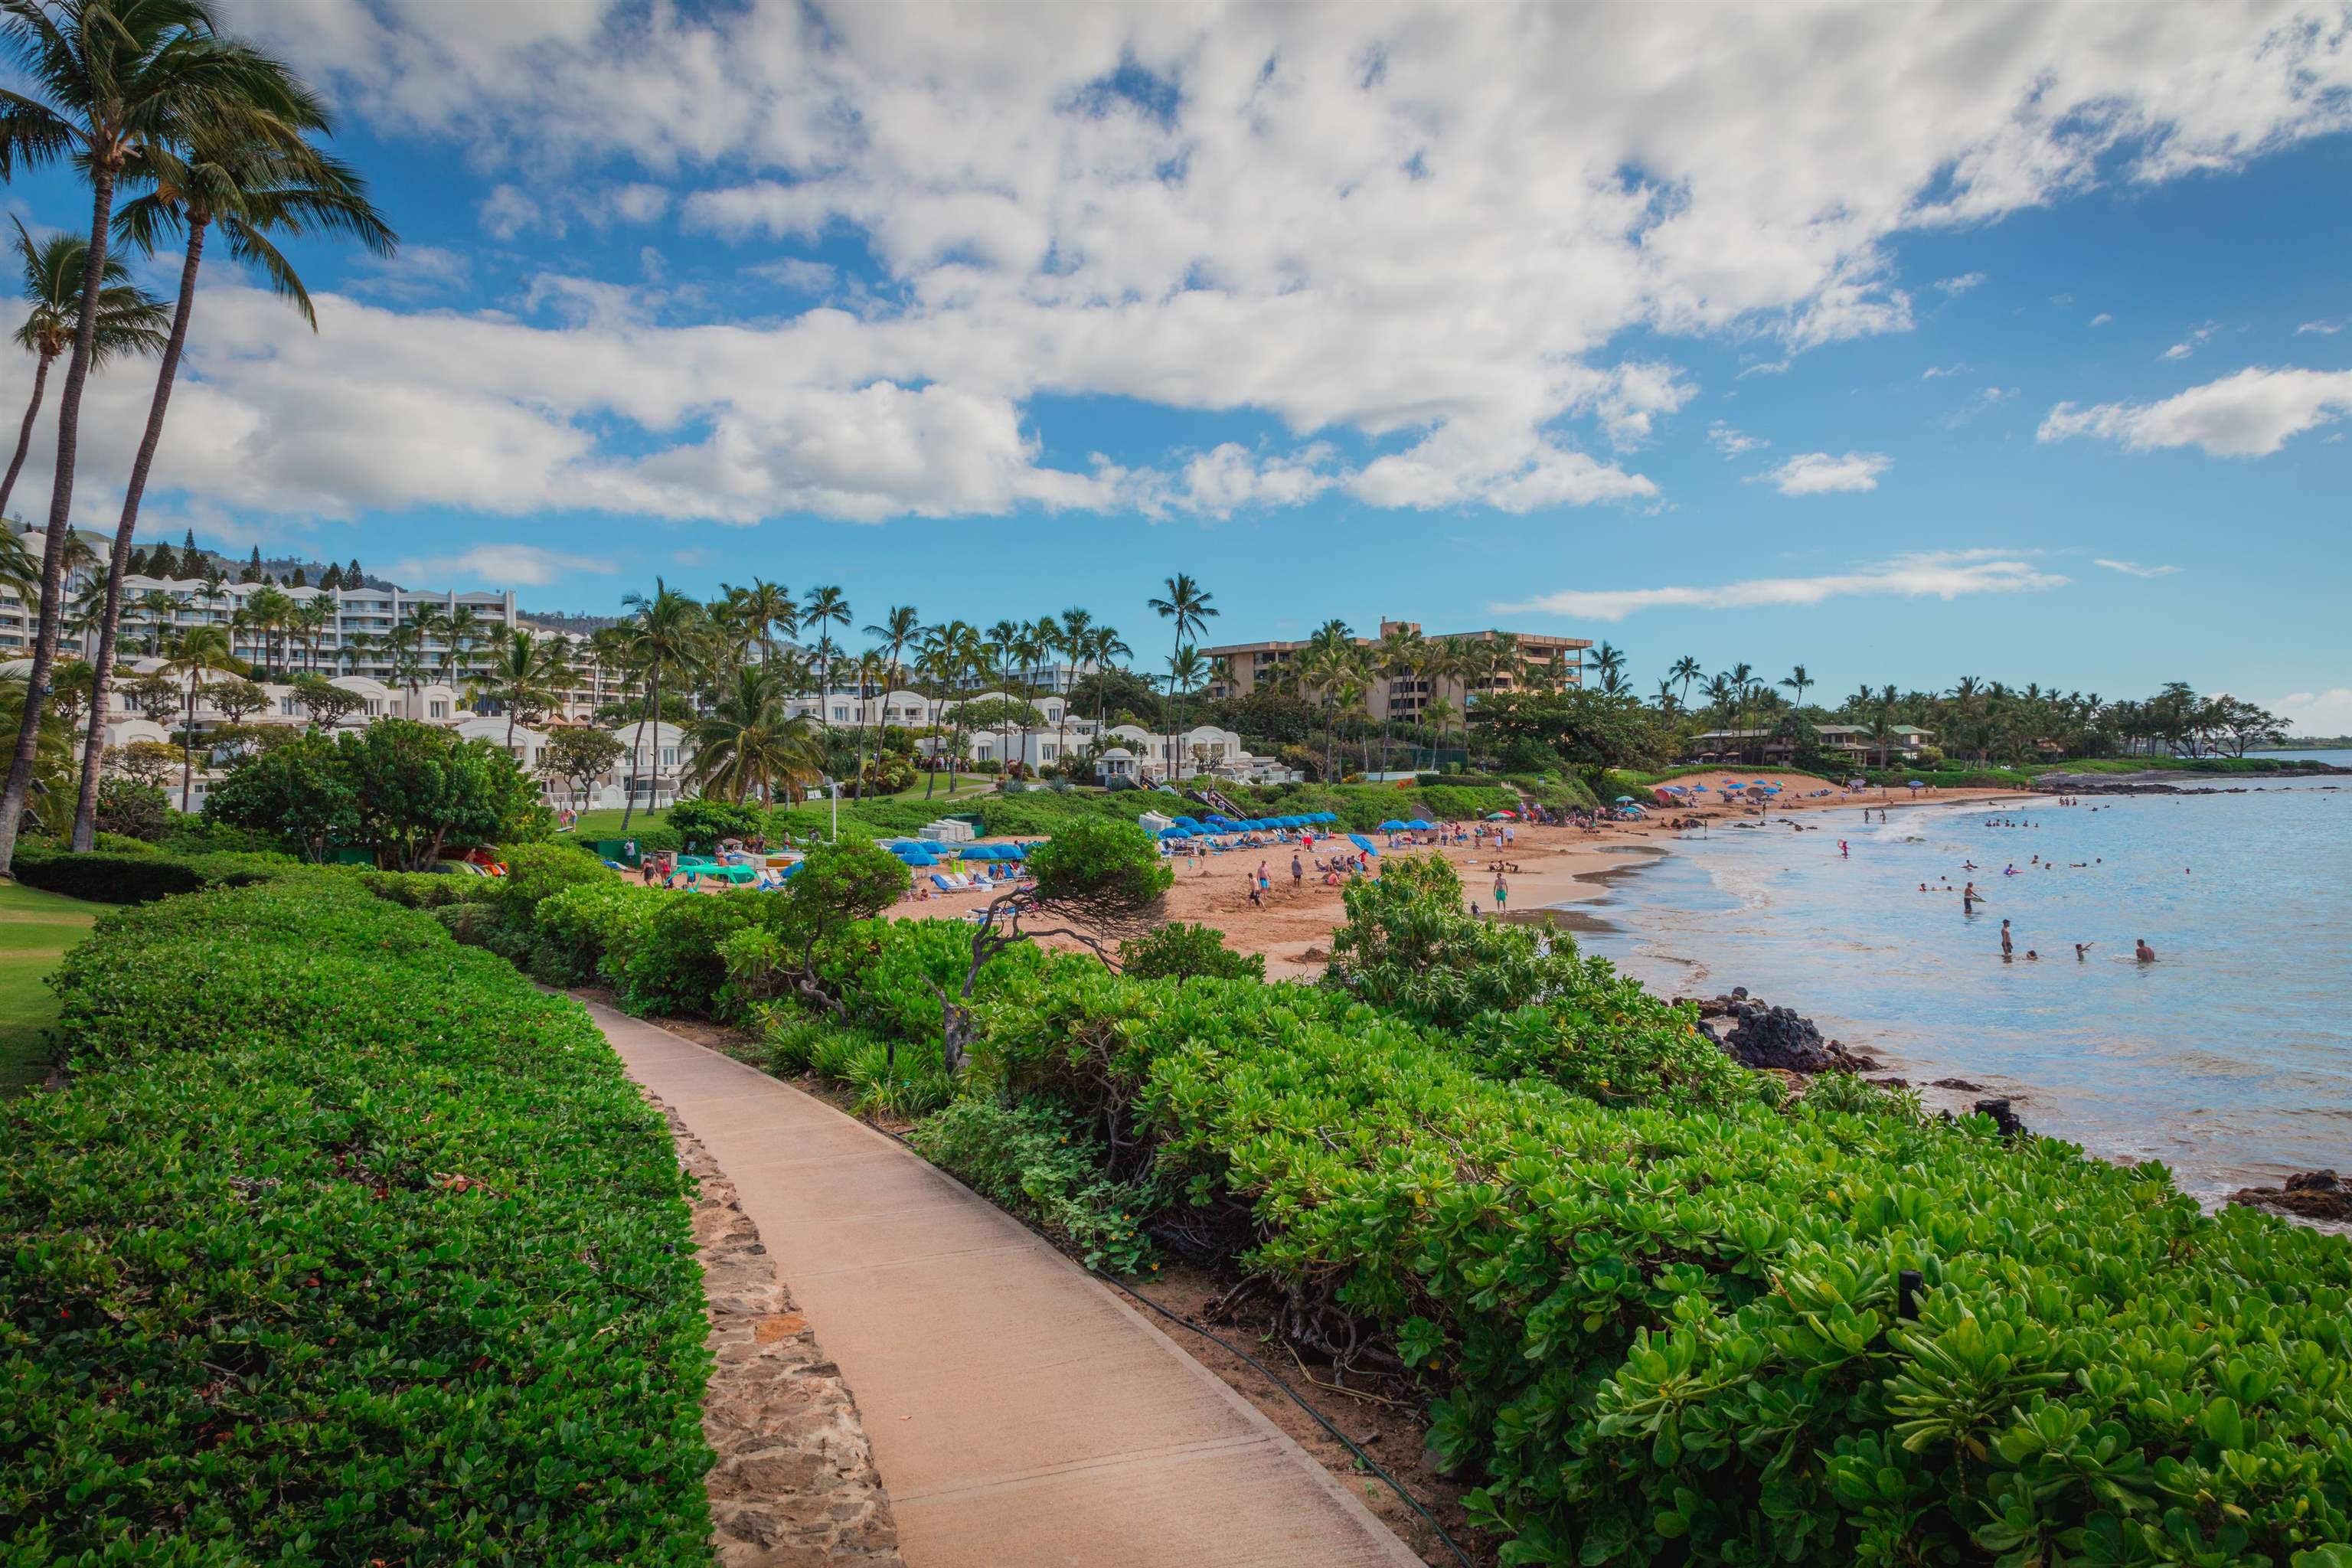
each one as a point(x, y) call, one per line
point(25, 434)
point(85, 825)
point(188, 744)
point(629, 791)
point(52, 613)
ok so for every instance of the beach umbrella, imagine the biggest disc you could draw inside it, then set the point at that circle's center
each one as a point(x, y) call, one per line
point(1390, 826)
point(1916, 784)
point(1624, 800)
point(1418, 824)
point(1012, 851)
point(1364, 844)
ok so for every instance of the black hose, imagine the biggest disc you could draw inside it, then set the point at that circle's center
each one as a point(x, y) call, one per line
point(1321, 1420)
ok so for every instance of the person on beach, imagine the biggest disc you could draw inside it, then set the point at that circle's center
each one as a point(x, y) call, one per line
point(1297, 874)
point(1256, 897)
point(1502, 894)
point(2006, 946)
point(2142, 951)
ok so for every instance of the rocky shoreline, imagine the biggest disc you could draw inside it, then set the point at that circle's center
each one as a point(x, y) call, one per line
point(1757, 1034)
point(2158, 781)
point(1780, 1041)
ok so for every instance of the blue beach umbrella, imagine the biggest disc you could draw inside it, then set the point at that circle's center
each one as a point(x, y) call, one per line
point(1390, 826)
point(1420, 825)
point(1364, 844)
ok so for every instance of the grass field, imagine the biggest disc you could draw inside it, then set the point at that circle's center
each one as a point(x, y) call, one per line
point(607, 824)
point(35, 928)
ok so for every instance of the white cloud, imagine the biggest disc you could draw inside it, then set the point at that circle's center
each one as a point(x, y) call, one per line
point(1765, 367)
point(1434, 259)
point(1818, 473)
point(1961, 285)
point(1229, 479)
point(1943, 574)
point(2189, 344)
point(1937, 372)
point(1733, 443)
point(522, 565)
point(2327, 712)
point(792, 272)
point(2134, 569)
point(2101, 320)
point(2250, 415)
point(2325, 328)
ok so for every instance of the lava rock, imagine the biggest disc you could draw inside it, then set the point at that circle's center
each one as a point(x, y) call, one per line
point(1963, 1085)
point(1764, 1036)
point(2002, 1117)
point(2312, 1194)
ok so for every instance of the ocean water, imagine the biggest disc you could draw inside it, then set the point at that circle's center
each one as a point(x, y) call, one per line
point(2230, 1058)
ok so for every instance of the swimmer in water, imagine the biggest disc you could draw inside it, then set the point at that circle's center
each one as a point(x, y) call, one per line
point(2004, 939)
point(2082, 951)
point(2141, 951)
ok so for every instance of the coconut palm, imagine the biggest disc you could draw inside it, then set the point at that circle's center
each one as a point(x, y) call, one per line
point(19, 569)
point(108, 85)
point(869, 669)
point(748, 740)
point(1797, 681)
point(1609, 660)
point(666, 636)
point(768, 613)
point(156, 609)
point(251, 178)
point(825, 608)
point(525, 670)
point(130, 321)
point(1684, 670)
point(1105, 647)
point(896, 631)
point(197, 654)
point(1184, 605)
point(1399, 658)
point(1072, 635)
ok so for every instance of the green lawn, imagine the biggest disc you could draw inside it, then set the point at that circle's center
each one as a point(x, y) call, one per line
point(607, 824)
point(35, 928)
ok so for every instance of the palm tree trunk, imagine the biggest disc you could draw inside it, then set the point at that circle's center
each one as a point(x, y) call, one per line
point(25, 434)
point(629, 792)
point(85, 825)
point(45, 638)
point(188, 745)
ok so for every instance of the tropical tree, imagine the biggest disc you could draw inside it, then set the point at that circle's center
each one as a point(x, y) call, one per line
point(825, 608)
point(747, 740)
point(579, 757)
point(665, 637)
point(526, 672)
point(1684, 670)
point(108, 84)
point(1402, 649)
point(1797, 681)
point(1609, 660)
point(767, 611)
point(130, 321)
point(198, 654)
point(896, 631)
point(1184, 605)
point(251, 176)
point(1105, 647)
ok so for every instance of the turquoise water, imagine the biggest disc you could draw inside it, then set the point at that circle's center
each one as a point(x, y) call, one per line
point(2230, 1058)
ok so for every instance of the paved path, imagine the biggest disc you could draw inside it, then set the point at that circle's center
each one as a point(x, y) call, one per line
point(1022, 1414)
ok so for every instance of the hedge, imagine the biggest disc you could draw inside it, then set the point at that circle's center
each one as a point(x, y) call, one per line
point(345, 1245)
point(116, 877)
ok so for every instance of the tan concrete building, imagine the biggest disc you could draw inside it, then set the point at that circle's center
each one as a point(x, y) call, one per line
point(1243, 667)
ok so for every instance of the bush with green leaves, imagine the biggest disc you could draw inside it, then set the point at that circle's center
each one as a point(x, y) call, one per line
point(706, 822)
point(141, 876)
point(344, 1244)
point(1180, 952)
point(1030, 1160)
point(132, 809)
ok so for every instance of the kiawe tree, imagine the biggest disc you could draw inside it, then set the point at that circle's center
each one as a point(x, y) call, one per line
point(1101, 880)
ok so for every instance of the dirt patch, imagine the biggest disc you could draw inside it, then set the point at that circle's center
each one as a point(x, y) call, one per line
point(795, 1485)
point(1381, 1416)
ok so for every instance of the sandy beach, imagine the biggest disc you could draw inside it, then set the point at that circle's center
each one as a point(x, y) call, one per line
point(1557, 866)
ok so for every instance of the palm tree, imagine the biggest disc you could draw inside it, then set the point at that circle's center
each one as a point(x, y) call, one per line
point(826, 607)
point(1685, 669)
point(130, 321)
point(525, 670)
point(460, 629)
point(951, 655)
point(197, 653)
point(767, 611)
point(1322, 665)
point(747, 740)
point(1400, 653)
point(1797, 681)
point(1186, 672)
point(1071, 637)
point(157, 608)
point(1185, 605)
point(1104, 648)
point(896, 631)
point(666, 634)
point(18, 570)
point(112, 82)
point(250, 178)
point(869, 669)
point(1609, 660)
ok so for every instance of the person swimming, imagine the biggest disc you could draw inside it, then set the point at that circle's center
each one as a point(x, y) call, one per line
point(2142, 951)
point(2083, 950)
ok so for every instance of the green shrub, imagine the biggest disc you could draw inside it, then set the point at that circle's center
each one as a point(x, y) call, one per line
point(121, 844)
point(1178, 951)
point(344, 1245)
point(1031, 1161)
point(138, 876)
point(426, 890)
point(129, 809)
point(671, 964)
point(706, 822)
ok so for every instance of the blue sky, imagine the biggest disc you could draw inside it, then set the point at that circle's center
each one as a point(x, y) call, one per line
point(2012, 343)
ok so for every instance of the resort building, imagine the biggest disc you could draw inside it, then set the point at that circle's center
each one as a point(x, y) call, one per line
point(1534, 660)
point(1855, 741)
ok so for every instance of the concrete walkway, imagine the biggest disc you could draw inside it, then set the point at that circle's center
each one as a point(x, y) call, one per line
point(1022, 1414)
